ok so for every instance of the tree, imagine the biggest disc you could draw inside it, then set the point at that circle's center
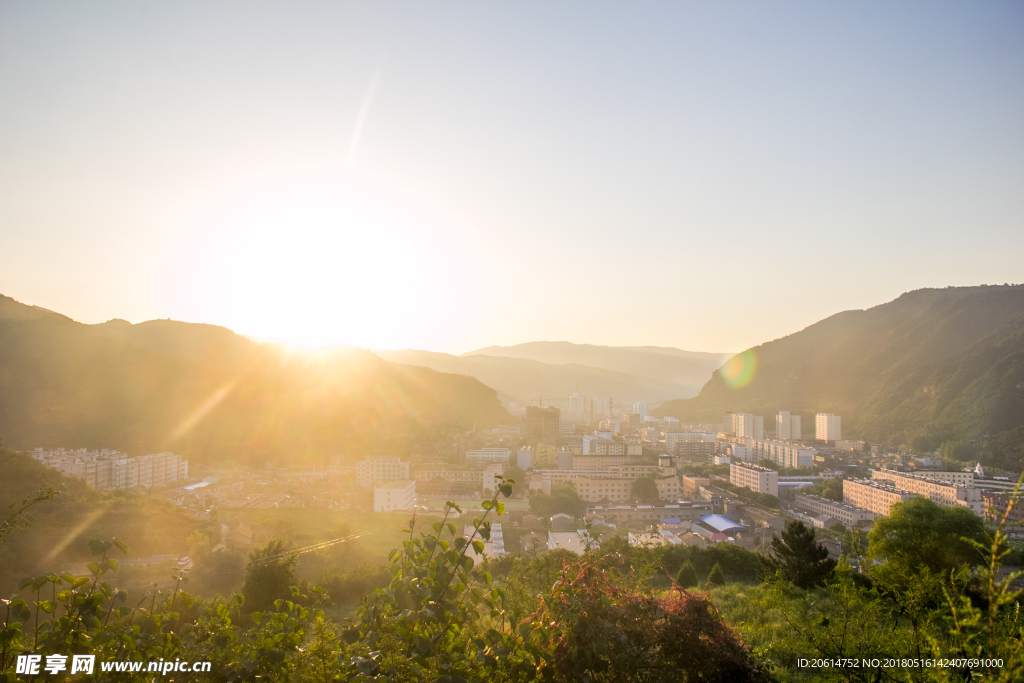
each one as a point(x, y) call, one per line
point(918, 533)
point(518, 475)
point(563, 499)
point(765, 462)
point(269, 574)
point(799, 558)
point(716, 577)
point(17, 514)
point(829, 488)
point(644, 491)
point(687, 576)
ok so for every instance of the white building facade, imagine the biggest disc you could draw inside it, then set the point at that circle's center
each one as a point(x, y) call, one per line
point(828, 427)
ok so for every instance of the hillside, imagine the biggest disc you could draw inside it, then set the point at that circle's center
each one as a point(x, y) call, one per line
point(522, 380)
point(150, 527)
point(209, 393)
point(935, 364)
point(656, 368)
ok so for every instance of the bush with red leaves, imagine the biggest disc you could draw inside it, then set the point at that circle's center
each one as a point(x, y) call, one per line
point(594, 628)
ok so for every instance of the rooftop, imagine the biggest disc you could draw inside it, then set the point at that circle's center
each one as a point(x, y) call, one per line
point(721, 524)
point(397, 485)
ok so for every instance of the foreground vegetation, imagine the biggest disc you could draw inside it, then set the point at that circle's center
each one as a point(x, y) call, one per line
point(617, 613)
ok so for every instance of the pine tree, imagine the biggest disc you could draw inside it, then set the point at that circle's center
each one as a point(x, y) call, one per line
point(687, 576)
point(799, 557)
point(716, 577)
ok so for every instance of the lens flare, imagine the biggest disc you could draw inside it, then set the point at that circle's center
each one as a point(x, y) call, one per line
point(739, 370)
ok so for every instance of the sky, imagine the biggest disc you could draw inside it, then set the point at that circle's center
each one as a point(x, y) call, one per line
point(453, 175)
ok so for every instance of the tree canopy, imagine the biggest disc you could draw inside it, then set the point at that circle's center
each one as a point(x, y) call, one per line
point(919, 533)
point(644, 491)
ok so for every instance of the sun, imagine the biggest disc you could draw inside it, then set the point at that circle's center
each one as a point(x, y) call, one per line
point(318, 265)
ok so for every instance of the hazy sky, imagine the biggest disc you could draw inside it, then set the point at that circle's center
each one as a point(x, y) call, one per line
point(453, 175)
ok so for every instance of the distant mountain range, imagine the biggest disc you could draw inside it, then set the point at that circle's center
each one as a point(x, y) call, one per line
point(524, 373)
point(207, 392)
point(934, 365)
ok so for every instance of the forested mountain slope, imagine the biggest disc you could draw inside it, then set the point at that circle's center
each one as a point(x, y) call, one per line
point(208, 393)
point(935, 364)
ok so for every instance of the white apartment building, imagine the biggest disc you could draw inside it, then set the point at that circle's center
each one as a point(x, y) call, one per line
point(372, 471)
point(944, 493)
point(606, 447)
point(873, 495)
point(487, 456)
point(849, 515)
point(828, 427)
point(600, 407)
point(109, 470)
point(640, 408)
point(589, 439)
point(754, 477)
point(672, 438)
point(958, 478)
point(394, 495)
point(750, 426)
point(787, 427)
point(782, 453)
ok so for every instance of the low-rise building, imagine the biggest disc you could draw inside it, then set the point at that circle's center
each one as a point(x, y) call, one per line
point(576, 541)
point(672, 513)
point(754, 477)
point(394, 495)
point(373, 471)
point(488, 456)
point(597, 462)
point(692, 486)
point(848, 515)
point(996, 504)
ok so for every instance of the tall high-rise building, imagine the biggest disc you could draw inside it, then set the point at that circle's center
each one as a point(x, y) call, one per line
point(600, 407)
point(542, 424)
point(827, 427)
point(729, 424)
point(640, 408)
point(748, 425)
point(577, 405)
point(787, 427)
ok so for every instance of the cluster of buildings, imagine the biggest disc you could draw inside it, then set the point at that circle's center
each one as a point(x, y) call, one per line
point(109, 470)
point(886, 487)
point(788, 427)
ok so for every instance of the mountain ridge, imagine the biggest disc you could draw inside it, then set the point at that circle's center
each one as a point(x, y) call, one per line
point(208, 393)
point(934, 365)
